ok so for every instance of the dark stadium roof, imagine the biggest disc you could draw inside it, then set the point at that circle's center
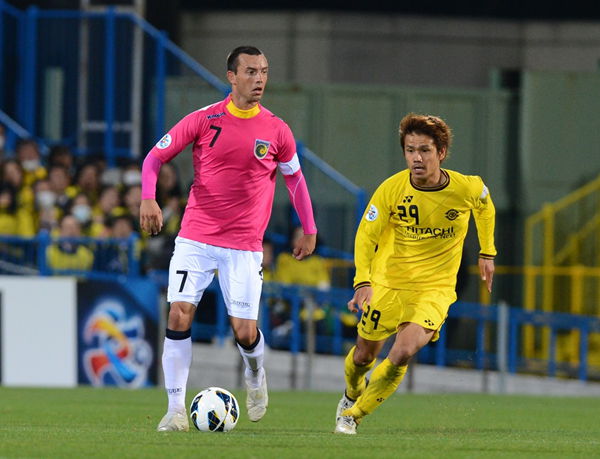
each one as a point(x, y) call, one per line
point(508, 9)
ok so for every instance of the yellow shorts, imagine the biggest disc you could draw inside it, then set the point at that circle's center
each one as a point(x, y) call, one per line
point(390, 308)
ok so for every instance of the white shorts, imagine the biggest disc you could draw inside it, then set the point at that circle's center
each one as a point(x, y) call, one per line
point(193, 266)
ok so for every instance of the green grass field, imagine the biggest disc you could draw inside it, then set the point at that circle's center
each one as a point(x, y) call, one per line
point(87, 422)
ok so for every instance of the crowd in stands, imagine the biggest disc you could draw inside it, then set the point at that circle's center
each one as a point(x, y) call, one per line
point(81, 197)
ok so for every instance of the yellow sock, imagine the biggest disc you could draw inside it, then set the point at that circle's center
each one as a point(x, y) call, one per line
point(355, 375)
point(384, 381)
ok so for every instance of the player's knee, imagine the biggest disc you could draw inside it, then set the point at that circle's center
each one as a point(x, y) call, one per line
point(246, 336)
point(364, 356)
point(180, 316)
point(400, 354)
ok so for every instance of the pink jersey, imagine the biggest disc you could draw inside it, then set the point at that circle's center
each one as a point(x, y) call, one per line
point(235, 156)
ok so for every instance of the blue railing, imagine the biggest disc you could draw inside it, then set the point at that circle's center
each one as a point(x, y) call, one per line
point(554, 322)
point(15, 131)
point(30, 255)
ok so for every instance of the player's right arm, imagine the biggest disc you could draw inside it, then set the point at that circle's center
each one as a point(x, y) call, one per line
point(183, 133)
point(362, 296)
point(372, 225)
point(484, 214)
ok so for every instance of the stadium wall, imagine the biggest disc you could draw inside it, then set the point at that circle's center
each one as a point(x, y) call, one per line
point(38, 343)
point(327, 47)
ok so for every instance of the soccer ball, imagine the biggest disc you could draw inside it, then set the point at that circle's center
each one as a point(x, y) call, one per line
point(214, 410)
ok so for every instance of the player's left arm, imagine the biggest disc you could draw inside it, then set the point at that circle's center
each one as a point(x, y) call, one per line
point(300, 199)
point(289, 165)
point(484, 214)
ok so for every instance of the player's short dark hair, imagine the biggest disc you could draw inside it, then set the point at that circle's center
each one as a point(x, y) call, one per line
point(432, 126)
point(233, 58)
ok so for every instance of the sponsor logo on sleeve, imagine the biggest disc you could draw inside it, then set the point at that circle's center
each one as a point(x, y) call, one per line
point(261, 148)
point(164, 142)
point(372, 213)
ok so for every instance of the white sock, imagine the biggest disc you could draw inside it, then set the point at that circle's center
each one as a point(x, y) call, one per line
point(176, 361)
point(253, 359)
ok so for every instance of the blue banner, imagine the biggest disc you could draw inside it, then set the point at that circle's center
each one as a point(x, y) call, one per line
point(117, 332)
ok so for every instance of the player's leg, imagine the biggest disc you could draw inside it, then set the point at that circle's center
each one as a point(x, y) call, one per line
point(251, 344)
point(241, 284)
point(379, 321)
point(422, 314)
point(359, 361)
point(388, 375)
point(190, 272)
point(176, 361)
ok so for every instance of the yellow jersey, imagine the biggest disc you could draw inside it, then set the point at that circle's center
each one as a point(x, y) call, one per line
point(310, 272)
point(79, 259)
point(412, 238)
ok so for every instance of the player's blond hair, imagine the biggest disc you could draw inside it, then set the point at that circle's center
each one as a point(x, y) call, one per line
point(432, 126)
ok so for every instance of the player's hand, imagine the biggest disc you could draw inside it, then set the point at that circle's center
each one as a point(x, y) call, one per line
point(304, 246)
point(486, 271)
point(151, 219)
point(361, 299)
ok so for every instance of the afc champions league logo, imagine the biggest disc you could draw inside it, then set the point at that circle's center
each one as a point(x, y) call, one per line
point(372, 213)
point(261, 148)
point(116, 352)
point(164, 142)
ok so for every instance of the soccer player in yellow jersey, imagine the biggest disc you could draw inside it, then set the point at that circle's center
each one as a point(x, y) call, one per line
point(407, 253)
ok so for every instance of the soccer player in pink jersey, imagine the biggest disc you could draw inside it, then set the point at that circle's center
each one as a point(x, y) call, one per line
point(237, 147)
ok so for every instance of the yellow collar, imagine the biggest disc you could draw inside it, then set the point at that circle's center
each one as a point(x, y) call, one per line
point(239, 113)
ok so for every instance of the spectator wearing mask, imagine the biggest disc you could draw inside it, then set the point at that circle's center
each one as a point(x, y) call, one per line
point(47, 212)
point(81, 209)
point(28, 155)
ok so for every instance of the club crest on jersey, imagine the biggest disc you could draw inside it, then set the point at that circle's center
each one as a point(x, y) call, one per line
point(452, 214)
point(261, 148)
point(164, 142)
